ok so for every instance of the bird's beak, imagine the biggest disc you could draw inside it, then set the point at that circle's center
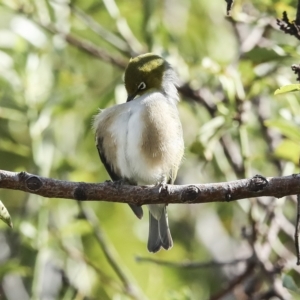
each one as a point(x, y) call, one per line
point(130, 97)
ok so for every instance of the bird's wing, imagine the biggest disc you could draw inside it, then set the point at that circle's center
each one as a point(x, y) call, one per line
point(108, 167)
point(138, 211)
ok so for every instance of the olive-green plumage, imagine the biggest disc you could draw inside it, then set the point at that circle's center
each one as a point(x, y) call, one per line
point(148, 68)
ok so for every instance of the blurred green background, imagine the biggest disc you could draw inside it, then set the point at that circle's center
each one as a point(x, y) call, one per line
point(234, 127)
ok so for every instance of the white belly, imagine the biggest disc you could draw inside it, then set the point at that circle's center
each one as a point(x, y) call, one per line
point(127, 131)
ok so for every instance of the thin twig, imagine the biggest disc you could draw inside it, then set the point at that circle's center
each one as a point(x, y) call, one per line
point(108, 36)
point(202, 96)
point(297, 231)
point(231, 150)
point(288, 27)
point(72, 290)
point(296, 69)
point(233, 155)
point(192, 265)
point(229, 6)
point(237, 280)
point(80, 43)
point(86, 46)
point(297, 21)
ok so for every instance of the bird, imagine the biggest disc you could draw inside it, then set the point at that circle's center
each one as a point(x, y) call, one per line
point(140, 141)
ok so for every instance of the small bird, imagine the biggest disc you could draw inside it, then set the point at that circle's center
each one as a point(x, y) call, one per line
point(140, 142)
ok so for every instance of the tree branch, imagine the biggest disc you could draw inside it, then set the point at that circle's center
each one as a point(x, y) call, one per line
point(96, 27)
point(256, 186)
point(86, 46)
point(288, 27)
point(229, 6)
point(237, 280)
point(192, 264)
point(296, 69)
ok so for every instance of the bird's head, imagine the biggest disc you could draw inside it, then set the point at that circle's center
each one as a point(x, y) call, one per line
point(147, 72)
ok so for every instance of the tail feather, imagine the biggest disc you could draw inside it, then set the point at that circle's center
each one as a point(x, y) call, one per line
point(159, 232)
point(138, 211)
point(154, 242)
point(164, 230)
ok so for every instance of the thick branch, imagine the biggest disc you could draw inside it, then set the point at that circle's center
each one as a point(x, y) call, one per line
point(257, 186)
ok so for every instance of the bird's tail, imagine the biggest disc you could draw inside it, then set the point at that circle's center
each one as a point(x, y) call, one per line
point(159, 232)
point(138, 211)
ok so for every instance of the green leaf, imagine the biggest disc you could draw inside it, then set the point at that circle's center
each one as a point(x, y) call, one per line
point(289, 283)
point(287, 128)
point(287, 89)
point(260, 55)
point(197, 148)
point(14, 266)
point(208, 130)
point(4, 215)
point(288, 150)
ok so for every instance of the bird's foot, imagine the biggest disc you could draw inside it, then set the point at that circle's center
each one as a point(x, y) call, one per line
point(163, 188)
point(121, 182)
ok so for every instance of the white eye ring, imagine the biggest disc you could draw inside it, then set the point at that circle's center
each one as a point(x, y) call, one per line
point(142, 86)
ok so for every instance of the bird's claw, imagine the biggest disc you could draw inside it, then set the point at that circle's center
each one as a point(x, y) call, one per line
point(163, 187)
point(122, 182)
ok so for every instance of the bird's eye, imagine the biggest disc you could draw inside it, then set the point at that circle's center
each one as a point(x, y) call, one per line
point(142, 86)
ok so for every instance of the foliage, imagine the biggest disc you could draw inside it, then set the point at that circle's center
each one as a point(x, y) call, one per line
point(61, 61)
point(287, 89)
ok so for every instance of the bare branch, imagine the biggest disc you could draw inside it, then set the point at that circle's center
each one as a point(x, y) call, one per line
point(288, 27)
point(232, 153)
point(297, 21)
point(108, 36)
point(237, 280)
point(192, 264)
point(85, 46)
point(201, 96)
point(229, 6)
point(256, 186)
point(296, 69)
point(297, 230)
